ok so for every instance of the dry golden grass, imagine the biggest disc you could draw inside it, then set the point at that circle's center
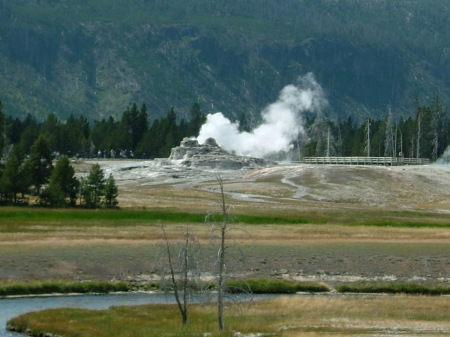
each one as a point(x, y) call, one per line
point(249, 234)
point(382, 315)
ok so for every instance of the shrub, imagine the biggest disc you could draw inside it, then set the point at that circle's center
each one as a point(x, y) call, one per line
point(52, 287)
point(267, 286)
point(394, 288)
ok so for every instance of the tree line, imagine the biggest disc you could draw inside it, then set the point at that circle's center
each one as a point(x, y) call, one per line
point(34, 176)
point(131, 136)
point(35, 155)
point(426, 134)
point(29, 169)
point(29, 148)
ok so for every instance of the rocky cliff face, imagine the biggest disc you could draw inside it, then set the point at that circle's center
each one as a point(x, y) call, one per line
point(192, 154)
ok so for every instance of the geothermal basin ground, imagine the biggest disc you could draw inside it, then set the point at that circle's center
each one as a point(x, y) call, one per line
point(355, 223)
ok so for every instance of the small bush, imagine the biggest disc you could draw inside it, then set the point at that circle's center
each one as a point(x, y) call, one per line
point(267, 286)
point(394, 288)
point(61, 287)
point(148, 286)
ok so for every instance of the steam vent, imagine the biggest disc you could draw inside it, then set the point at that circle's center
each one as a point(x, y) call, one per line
point(211, 155)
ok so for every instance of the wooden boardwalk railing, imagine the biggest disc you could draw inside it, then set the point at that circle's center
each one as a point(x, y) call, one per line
point(389, 161)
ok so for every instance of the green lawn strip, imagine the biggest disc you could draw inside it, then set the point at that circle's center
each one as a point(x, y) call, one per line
point(145, 320)
point(16, 217)
point(61, 287)
point(394, 288)
point(111, 217)
point(268, 286)
point(255, 286)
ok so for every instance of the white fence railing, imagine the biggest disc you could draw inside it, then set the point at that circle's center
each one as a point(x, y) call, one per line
point(366, 160)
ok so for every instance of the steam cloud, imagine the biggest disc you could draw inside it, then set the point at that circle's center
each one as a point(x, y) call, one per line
point(445, 158)
point(281, 126)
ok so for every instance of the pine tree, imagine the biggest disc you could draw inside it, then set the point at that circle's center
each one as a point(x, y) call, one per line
point(169, 133)
point(196, 121)
point(14, 179)
point(244, 123)
point(437, 129)
point(29, 135)
point(319, 135)
point(111, 192)
point(39, 165)
point(93, 188)
point(2, 131)
point(76, 136)
point(105, 135)
point(52, 130)
point(133, 125)
point(124, 135)
point(62, 189)
point(432, 135)
point(151, 141)
point(141, 126)
point(347, 132)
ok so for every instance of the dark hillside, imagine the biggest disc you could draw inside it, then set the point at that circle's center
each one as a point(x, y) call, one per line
point(97, 57)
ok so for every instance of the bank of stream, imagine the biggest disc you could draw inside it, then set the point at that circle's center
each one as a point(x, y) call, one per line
point(13, 307)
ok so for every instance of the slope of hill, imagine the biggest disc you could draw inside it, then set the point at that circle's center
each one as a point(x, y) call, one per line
point(97, 57)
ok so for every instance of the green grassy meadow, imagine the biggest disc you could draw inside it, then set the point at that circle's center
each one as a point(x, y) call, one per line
point(15, 218)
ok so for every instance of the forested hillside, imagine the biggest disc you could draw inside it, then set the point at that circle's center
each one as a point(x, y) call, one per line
point(96, 57)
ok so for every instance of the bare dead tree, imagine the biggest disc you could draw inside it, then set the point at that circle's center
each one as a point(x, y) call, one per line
point(389, 135)
point(181, 270)
point(327, 154)
point(220, 229)
point(419, 134)
point(367, 138)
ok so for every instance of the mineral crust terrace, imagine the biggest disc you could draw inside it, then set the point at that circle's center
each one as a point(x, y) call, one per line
point(211, 155)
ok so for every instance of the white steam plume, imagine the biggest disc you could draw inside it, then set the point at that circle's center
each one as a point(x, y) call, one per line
point(282, 122)
point(445, 158)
